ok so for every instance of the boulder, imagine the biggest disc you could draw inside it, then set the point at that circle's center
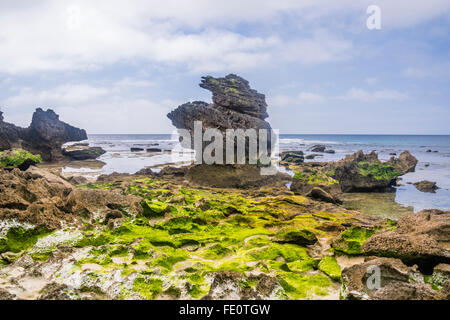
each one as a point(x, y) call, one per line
point(421, 238)
point(236, 106)
point(365, 173)
point(229, 285)
point(318, 148)
point(82, 152)
point(292, 157)
point(386, 279)
point(426, 186)
point(45, 135)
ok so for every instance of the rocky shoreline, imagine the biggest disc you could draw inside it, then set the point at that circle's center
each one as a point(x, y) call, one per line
point(211, 231)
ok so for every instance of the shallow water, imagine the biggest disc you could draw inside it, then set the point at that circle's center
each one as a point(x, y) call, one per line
point(433, 166)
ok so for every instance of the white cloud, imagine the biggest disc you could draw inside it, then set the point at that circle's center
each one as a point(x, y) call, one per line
point(197, 34)
point(110, 109)
point(434, 70)
point(367, 96)
point(303, 98)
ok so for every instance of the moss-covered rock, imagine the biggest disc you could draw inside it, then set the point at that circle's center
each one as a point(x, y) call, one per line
point(18, 158)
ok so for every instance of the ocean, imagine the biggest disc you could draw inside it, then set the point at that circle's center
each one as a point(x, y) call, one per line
point(433, 166)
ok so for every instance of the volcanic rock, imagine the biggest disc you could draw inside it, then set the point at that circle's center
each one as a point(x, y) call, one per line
point(396, 282)
point(422, 238)
point(365, 173)
point(426, 186)
point(293, 157)
point(236, 106)
point(82, 152)
point(45, 135)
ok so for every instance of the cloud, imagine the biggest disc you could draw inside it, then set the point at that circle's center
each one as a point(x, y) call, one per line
point(433, 70)
point(201, 35)
point(303, 98)
point(367, 96)
point(111, 109)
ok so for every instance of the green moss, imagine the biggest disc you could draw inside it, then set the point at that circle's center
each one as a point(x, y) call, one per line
point(154, 208)
point(18, 157)
point(329, 266)
point(148, 288)
point(377, 170)
point(351, 240)
point(316, 177)
point(298, 286)
point(216, 251)
point(19, 238)
point(196, 291)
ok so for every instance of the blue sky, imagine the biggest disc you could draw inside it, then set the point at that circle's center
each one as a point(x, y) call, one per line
point(113, 67)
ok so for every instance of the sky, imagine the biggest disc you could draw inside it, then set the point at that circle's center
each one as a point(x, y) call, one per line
point(120, 66)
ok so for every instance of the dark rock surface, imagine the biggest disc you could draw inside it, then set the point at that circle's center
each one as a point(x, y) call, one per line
point(294, 157)
point(82, 152)
point(365, 173)
point(426, 186)
point(45, 135)
point(236, 106)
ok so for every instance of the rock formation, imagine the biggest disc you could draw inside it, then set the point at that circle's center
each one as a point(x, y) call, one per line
point(235, 106)
point(45, 135)
point(364, 172)
point(426, 186)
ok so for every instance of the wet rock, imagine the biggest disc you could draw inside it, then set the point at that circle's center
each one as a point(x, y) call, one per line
point(426, 186)
point(135, 149)
point(312, 156)
point(320, 194)
point(77, 152)
point(330, 151)
point(318, 148)
point(294, 157)
point(45, 135)
point(299, 237)
point(154, 150)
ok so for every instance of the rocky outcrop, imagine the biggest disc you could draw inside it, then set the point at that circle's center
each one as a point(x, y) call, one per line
point(45, 135)
point(387, 279)
point(426, 186)
point(422, 238)
point(236, 106)
point(82, 152)
point(42, 199)
point(365, 173)
point(293, 157)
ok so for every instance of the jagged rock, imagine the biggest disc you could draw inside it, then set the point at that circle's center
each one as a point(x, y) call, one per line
point(82, 152)
point(45, 135)
point(314, 181)
point(396, 282)
point(293, 157)
point(426, 186)
point(234, 92)
point(77, 180)
point(42, 199)
point(318, 148)
point(229, 285)
point(421, 238)
point(312, 156)
point(365, 173)
point(235, 106)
